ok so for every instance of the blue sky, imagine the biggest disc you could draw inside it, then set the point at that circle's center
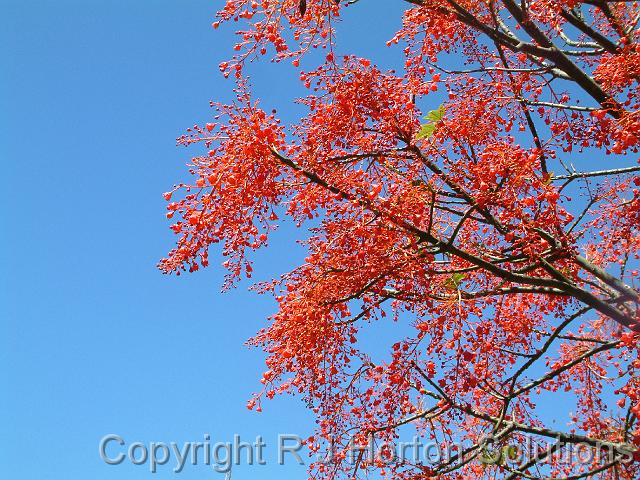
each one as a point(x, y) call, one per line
point(94, 340)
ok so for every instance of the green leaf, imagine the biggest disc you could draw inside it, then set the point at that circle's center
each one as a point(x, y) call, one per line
point(432, 117)
point(490, 458)
point(454, 281)
point(510, 452)
point(436, 115)
point(426, 131)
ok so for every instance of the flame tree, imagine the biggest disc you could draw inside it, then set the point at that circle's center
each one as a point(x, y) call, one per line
point(476, 223)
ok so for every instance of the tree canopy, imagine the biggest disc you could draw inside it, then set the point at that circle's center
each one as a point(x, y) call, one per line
point(478, 222)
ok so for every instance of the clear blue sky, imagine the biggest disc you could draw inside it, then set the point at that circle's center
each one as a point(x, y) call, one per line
point(94, 340)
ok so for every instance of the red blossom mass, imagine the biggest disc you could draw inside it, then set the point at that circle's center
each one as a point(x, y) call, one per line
point(476, 222)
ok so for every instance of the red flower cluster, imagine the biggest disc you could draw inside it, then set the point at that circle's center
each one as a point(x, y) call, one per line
point(508, 264)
